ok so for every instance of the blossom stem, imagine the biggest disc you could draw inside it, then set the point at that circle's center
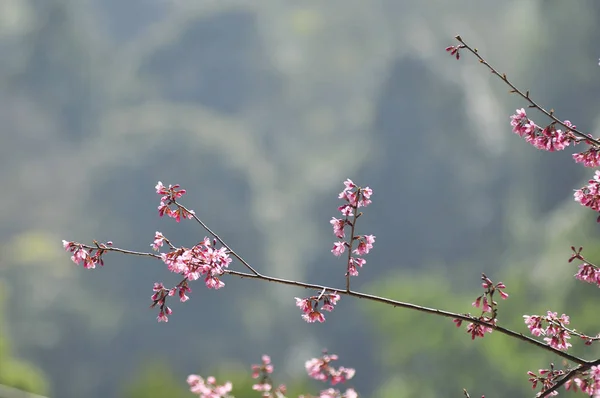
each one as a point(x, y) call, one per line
point(352, 227)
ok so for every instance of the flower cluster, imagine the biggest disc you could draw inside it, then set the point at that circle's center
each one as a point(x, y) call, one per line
point(588, 382)
point(589, 195)
point(551, 326)
point(89, 258)
point(209, 388)
point(169, 197)
point(160, 298)
point(588, 273)
point(488, 306)
point(589, 158)
point(354, 198)
point(310, 306)
point(159, 239)
point(202, 260)
point(548, 138)
point(554, 328)
point(321, 369)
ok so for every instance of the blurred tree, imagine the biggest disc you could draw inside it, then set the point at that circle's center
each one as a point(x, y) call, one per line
point(259, 108)
point(155, 380)
point(15, 372)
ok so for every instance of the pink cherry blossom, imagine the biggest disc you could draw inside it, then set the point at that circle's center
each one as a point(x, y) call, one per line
point(200, 260)
point(338, 248)
point(158, 241)
point(338, 227)
point(477, 330)
point(589, 195)
point(355, 262)
point(304, 304)
point(534, 323)
point(162, 315)
point(365, 243)
point(589, 158)
point(588, 273)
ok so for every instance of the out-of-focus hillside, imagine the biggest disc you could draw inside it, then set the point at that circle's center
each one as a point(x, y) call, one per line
point(260, 110)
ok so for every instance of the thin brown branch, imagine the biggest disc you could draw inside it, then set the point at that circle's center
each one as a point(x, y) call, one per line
point(370, 297)
point(394, 303)
point(210, 231)
point(526, 96)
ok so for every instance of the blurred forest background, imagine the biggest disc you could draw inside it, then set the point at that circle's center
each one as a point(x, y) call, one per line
point(260, 109)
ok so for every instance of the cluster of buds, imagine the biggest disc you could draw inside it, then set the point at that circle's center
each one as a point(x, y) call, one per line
point(169, 197)
point(546, 378)
point(489, 308)
point(159, 298)
point(454, 50)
